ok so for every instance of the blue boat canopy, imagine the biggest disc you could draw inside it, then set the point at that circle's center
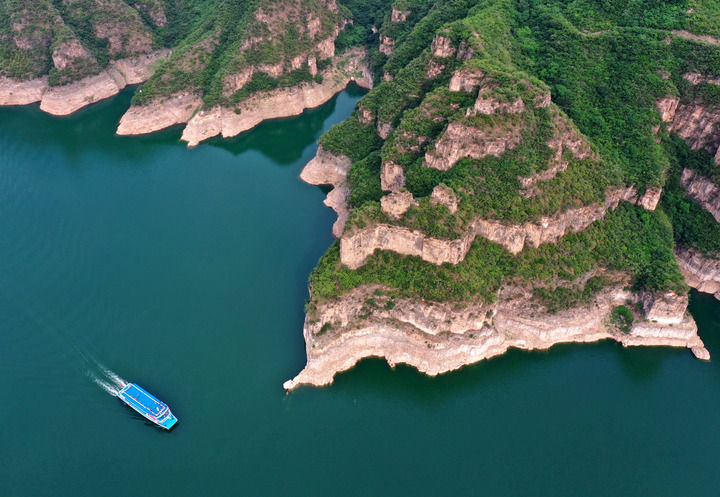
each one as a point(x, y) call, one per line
point(148, 405)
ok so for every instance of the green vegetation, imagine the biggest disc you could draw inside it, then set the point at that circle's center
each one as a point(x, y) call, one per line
point(693, 226)
point(622, 318)
point(606, 64)
point(629, 239)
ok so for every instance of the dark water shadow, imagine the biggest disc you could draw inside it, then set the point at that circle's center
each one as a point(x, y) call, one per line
point(280, 140)
point(705, 309)
point(284, 140)
point(373, 375)
point(91, 128)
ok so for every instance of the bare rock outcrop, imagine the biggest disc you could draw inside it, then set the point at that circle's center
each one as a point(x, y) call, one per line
point(355, 248)
point(442, 46)
point(327, 168)
point(392, 177)
point(397, 203)
point(386, 44)
point(397, 15)
point(14, 92)
point(159, 114)
point(466, 79)
point(436, 338)
point(443, 195)
point(488, 105)
point(703, 190)
point(698, 125)
point(700, 271)
point(462, 141)
point(696, 78)
point(64, 100)
point(665, 308)
point(283, 102)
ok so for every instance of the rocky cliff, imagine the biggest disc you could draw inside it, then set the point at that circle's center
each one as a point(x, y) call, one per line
point(437, 338)
point(357, 246)
point(701, 272)
point(330, 169)
point(703, 190)
point(66, 99)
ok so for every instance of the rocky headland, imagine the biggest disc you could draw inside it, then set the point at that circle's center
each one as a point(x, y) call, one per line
point(66, 99)
point(438, 338)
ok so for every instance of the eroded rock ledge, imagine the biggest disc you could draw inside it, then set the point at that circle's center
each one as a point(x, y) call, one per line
point(358, 246)
point(700, 272)
point(327, 168)
point(285, 102)
point(436, 338)
point(64, 100)
point(703, 190)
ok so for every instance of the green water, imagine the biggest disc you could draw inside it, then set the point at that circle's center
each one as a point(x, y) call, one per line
point(185, 271)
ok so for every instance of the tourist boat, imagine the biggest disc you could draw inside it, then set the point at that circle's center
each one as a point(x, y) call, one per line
point(146, 404)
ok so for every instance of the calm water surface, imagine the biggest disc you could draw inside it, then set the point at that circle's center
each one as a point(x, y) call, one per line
point(186, 270)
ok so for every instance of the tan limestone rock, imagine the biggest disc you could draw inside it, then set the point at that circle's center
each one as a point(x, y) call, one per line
point(703, 190)
point(159, 114)
point(392, 177)
point(442, 46)
point(466, 80)
point(665, 308)
point(443, 195)
point(396, 204)
point(651, 198)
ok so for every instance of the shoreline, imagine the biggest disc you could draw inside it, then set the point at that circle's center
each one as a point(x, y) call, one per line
point(67, 99)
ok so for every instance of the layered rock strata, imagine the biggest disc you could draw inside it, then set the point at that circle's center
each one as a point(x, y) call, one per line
point(64, 100)
point(701, 272)
point(327, 168)
point(698, 125)
point(436, 338)
point(358, 246)
point(703, 190)
point(228, 122)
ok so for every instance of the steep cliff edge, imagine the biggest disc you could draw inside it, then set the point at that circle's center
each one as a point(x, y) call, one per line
point(437, 338)
point(703, 190)
point(350, 67)
point(701, 272)
point(66, 99)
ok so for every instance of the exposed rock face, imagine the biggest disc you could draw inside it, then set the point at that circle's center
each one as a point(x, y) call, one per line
point(488, 105)
point(383, 129)
point(697, 78)
point(159, 114)
point(667, 308)
point(442, 195)
point(703, 190)
point(68, 52)
point(386, 44)
point(437, 338)
point(442, 46)
point(697, 124)
point(691, 36)
point(701, 272)
point(357, 247)
point(460, 141)
point(13, 92)
point(284, 102)
point(392, 177)
point(63, 100)
point(650, 198)
point(397, 203)
point(399, 15)
point(327, 168)
point(466, 80)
